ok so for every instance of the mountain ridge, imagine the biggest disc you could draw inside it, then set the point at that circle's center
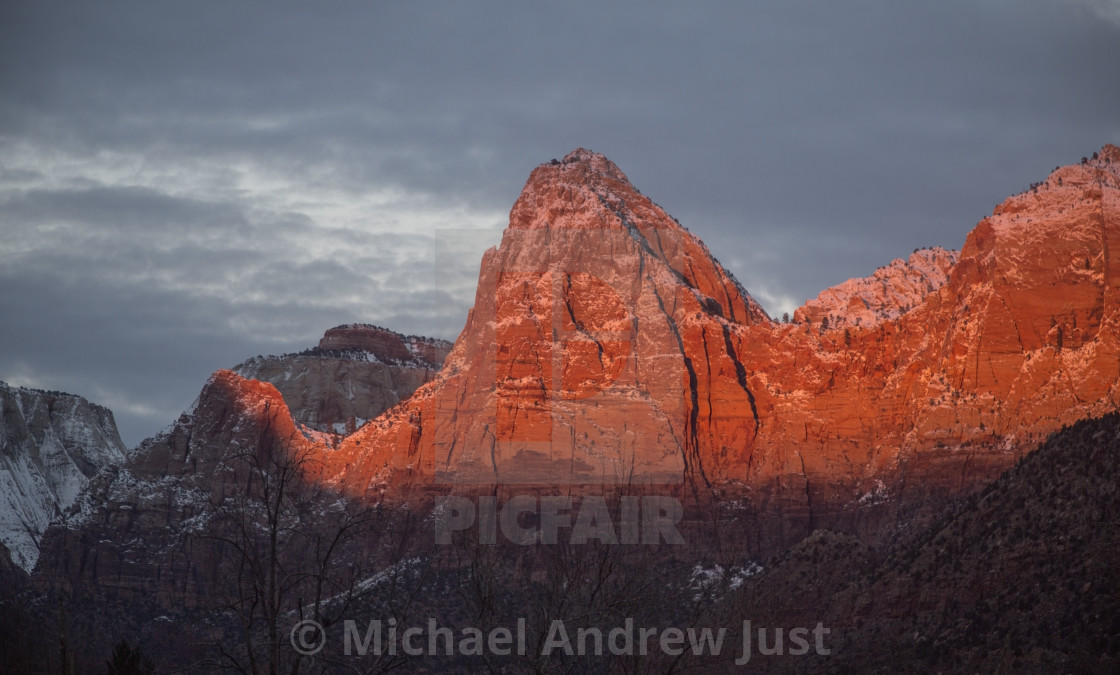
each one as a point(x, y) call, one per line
point(994, 271)
point(608, 353)
point(813, 427)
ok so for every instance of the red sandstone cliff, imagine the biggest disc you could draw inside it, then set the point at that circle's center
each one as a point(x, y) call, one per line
point(599, 350)
point(607, 343)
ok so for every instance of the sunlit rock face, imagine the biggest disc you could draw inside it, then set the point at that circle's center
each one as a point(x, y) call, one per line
point(606, 342)
point(890, 292)
point(1019, 340)
point(598, 352)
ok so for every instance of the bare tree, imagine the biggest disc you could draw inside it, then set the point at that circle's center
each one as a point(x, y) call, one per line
point(287, 548)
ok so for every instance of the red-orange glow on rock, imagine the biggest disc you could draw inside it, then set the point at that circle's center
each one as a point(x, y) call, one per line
point(606, 344)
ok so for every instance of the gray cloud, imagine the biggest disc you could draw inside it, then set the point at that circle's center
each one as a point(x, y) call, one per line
point(185, 185)
point(1105, 9)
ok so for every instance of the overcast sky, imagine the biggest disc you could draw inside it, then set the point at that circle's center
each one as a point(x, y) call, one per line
point(185, 185)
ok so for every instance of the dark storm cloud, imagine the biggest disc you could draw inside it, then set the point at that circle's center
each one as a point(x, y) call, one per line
point(185, 185)
point(125, 206)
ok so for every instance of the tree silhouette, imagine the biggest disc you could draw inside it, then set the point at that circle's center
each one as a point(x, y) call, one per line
point(287, 546)
point(129, 661)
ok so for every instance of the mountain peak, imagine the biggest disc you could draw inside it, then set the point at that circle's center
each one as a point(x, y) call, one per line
point(580, 166)
point(583, 208)
point(589, 162)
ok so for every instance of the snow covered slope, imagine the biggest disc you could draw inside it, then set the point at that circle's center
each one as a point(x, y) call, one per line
point(51, 444)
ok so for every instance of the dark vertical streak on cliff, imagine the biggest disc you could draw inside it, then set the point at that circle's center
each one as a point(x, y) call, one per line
point(741, 375)
point(694, 394)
